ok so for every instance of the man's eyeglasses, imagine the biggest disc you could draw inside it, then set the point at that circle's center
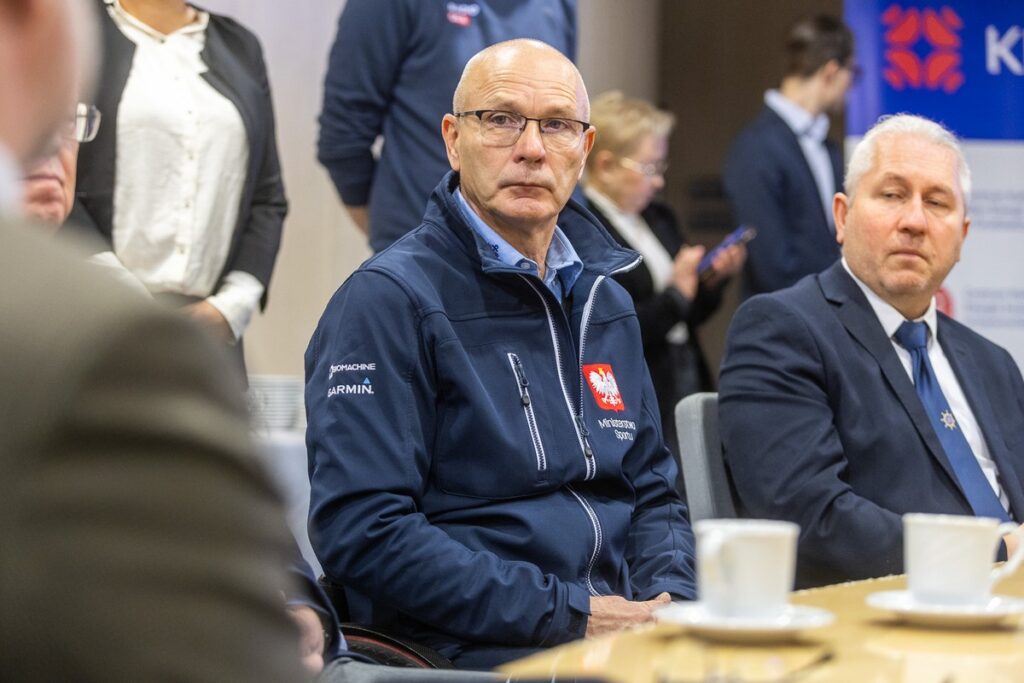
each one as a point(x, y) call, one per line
point(84, 125)
point(649, 170)
point(500, 128)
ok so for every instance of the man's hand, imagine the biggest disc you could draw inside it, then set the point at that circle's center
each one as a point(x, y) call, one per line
point(360, 215)
point(684, 271)
point(610, 613)
point(210, 318)
point(311, 637)
point(726, 264)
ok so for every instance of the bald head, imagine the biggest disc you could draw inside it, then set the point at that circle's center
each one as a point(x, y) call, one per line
point(518, 139)
point(501, 57)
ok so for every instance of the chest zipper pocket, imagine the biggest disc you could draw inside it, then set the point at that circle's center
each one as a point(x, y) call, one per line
point(523, 385)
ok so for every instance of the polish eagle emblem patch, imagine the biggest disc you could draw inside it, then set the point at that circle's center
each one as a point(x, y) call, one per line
point(601, 381)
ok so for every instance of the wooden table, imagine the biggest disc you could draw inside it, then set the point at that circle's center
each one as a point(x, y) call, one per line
point(863, 645)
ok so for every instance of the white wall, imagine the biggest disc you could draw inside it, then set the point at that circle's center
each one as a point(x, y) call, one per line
point(617, 49)
point(618, 46)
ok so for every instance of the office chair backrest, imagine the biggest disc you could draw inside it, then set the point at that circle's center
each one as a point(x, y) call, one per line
point(708, 492)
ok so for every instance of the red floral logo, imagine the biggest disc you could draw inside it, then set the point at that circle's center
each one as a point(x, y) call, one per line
point(939, 67)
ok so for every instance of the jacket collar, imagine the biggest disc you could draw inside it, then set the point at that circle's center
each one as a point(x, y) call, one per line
point(601, 255)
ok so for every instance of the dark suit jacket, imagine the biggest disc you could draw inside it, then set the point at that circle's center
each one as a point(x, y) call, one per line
point(139, 539)
point(822, 426)
point(658, 312)
point(237, 71)
point(770, 185)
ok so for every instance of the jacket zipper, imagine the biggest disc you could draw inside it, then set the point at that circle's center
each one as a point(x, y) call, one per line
point(598, 539)
point(582, 434)
point(531, 418)
point(582, 427)
point(584, 325)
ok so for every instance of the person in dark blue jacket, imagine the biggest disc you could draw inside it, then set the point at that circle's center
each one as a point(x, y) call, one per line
point(487, 465)
point(392, 71)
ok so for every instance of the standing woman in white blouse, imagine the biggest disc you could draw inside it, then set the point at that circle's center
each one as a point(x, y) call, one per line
point(183, 182)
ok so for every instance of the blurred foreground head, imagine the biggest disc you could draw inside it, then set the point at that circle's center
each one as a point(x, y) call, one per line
point(139, 537)
point(47, 61)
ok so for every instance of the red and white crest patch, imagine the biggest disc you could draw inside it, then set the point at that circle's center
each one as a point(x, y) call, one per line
point(601, 381)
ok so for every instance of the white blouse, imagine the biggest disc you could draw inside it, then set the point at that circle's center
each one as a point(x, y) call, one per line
point(639, 236)
point(182, 158)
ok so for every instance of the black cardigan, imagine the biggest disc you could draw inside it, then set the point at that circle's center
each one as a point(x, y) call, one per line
point(659, 312)
point(237, 71)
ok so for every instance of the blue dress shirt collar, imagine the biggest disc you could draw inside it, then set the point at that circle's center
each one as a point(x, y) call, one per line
point(563, 264)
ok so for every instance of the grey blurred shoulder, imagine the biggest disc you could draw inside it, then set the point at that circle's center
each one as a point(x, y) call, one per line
point(48, 290)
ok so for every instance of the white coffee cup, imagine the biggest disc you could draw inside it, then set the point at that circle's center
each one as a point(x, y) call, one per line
point(949, 557)
point(745, 567)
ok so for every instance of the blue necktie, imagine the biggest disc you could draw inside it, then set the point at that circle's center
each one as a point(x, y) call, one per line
point(914, 338)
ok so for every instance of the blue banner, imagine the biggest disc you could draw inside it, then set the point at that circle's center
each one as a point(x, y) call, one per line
point(959, 61)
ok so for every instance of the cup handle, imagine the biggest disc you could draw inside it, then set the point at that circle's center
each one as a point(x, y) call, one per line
point(1012, 562)
point(713, 546)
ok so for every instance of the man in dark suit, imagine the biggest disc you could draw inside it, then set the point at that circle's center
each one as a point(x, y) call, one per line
point(781, 171)
point(139, 539)
point(833, 415)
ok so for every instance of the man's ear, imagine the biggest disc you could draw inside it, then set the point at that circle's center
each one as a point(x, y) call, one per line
point(840, 209)
point(588, 141)
point(588, 144)
point(963, 236)
point(829, 70)
point(450, 133)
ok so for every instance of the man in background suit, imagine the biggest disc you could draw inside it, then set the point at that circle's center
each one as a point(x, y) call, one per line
point(138, 537)
point(833, 415)
point(781, 171)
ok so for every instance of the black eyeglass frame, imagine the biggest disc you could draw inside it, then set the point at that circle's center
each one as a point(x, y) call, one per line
point(479, 114)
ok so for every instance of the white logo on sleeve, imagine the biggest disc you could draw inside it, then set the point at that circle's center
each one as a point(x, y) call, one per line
point(354, 386)
point(351, 367)
point(363, 388)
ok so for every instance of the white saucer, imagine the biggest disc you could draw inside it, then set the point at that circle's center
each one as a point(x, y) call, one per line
point(786, 626)
point(903, 605)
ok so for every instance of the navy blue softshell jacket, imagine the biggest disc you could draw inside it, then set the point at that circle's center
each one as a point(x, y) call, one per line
point(484, 459)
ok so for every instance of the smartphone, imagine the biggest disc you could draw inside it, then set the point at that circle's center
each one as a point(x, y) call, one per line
point(740, 235)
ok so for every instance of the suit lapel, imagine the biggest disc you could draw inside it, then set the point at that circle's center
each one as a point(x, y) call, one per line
point(968, 375)
point(860, 321)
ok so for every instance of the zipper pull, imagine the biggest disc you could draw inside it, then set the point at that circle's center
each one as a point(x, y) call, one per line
point(524, 393)
point(584, 432)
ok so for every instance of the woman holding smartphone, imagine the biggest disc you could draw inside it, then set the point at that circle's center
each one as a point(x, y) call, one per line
point(625, 170)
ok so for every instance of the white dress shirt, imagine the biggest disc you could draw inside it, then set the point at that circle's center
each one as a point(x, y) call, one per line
point(639, 236)
point(182, 159)
point(810, 131)
point(891, 319)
